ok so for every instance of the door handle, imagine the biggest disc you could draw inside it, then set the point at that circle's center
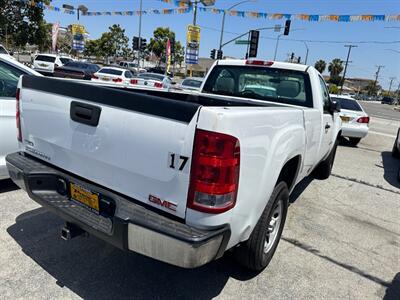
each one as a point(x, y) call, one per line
point(85, 113)
point(327, 126)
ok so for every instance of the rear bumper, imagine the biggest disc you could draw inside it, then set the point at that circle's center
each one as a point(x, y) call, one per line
point(132, 226)
point(349, 130)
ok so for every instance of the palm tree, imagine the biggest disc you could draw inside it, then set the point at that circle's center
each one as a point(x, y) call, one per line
point(335, 67)
point(320, 65)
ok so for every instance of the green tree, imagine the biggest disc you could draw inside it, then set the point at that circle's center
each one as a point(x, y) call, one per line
point(320, 65)
point(333, 89)
point(23, 24)
point(335, 68)
point(92, 48)
point(371, 89)
point(158, 45)
point(112, 43)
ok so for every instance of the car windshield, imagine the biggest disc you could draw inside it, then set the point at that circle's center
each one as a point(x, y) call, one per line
point(192, 83)
point(261, 83)
point(151, 76)
point(45, 58)
point(132, 65)
point(348, 104)
point(65, 60)
point(110, 71)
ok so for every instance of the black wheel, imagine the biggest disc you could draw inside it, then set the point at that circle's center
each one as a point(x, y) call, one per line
point(257, 251)
point(396, 151)
point(324, 169)
point(354, 141)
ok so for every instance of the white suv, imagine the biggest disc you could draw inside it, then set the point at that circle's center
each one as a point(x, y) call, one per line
point(45, 63)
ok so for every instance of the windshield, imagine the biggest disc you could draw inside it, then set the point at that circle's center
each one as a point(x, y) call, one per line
point(261, 83)
point(110, 71)
point(151, 76)
point(348, 104)
point(45, 58)
point(132, 65)
point(192, 83)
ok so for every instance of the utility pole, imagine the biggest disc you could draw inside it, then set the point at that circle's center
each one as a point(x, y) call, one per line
point(377, 75)
point(196, 2)
point(140, 32)
point(390, 84)
point(345, 66)
point(305, 44)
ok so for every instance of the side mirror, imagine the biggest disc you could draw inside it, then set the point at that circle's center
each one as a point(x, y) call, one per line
point(12, 53)
point(334, 106)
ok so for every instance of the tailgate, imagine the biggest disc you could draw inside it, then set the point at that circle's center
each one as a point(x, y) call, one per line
point(140, 147)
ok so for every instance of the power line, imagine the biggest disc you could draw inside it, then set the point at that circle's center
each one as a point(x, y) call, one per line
point(310, 41)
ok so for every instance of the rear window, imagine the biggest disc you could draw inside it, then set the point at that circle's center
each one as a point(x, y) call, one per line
point(110, 71)
point(261, 83)
point(192, 83)
point(45, 58)
point(151, 76)
point(3, 50)
point(65, 60)
point(348, 104)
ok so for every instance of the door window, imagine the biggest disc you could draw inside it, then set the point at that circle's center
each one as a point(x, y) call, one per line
point(324, 94)
point(9, 77)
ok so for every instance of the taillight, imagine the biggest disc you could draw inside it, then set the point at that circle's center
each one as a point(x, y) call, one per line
point(117, 79)
point(134, 81)
point(18, 116)
point(255, 62)
point(94, 76)
point(363, 120)
point(158, 84)
point(214, 175)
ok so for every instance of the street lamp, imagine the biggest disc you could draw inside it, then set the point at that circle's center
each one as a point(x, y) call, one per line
point(223, 19)
point(81, 8)
point(305, 44)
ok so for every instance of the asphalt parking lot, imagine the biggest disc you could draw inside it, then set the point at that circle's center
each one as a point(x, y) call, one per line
point(341, 241)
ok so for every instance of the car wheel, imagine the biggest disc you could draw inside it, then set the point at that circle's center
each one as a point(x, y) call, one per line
point(324, 169)
point(396, 151)
point(354, 141)
point(257, 252)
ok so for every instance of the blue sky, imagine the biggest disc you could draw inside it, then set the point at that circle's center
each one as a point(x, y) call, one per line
point(364, 58)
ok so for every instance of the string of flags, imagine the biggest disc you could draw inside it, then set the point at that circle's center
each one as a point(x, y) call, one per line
point(184, 8)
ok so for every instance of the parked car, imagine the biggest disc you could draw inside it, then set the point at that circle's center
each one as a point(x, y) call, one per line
point(45, 63)
point(396, 146)
point(355, 120)
point(76, 70)
point(113, 75)
point(10, 71)
point(178, 177)
point(151, 81)
point(388, 100)
point(132, 67)
point(191, 83)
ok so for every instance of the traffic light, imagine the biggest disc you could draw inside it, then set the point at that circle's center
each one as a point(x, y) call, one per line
point(219, 54)
point(298, 59)
point(212, 54)
point(143, 43)
point(287, 27)
point(254, 35)
point(291, 57)
point(135, 43)
point(172, 45)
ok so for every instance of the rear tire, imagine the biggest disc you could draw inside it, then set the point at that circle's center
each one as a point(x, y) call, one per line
point(324, 169)
point(354, 141)
point(396, 151)
point(257, 252)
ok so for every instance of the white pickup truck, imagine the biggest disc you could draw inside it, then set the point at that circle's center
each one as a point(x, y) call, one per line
point(180, 178)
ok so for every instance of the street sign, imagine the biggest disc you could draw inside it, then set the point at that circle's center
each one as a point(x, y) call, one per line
point(78, 40)
point(192, 45)
point(242, 42)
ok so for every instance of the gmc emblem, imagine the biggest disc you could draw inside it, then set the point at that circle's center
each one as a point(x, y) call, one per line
point(163, 203)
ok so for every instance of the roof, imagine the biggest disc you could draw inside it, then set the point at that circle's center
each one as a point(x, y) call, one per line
point(342, 97)
point(276, 64)
point(12, 61)
point(113, 68)
point(48, 54)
